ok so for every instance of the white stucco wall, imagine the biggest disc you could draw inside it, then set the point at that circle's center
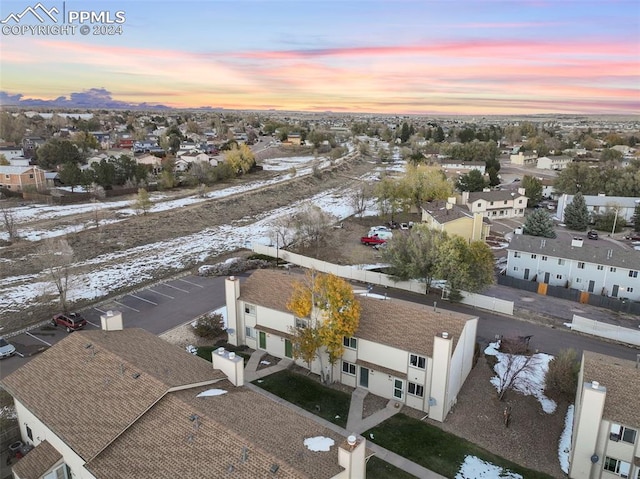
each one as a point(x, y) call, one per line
point(40, 433)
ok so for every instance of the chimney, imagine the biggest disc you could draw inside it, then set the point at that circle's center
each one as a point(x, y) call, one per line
point(229, 364)
point(112, 321)
point(577, 242)
point(451, 200)
point(231, 294)
point(352, 456)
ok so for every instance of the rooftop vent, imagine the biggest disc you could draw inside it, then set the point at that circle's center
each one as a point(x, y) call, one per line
point(274, 468)
point(577, 242)
point(445, 335)
point(135, 375)
point(351, 440)
point(595, 384)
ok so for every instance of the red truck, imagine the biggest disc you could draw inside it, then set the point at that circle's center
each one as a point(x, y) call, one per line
point(372, 240)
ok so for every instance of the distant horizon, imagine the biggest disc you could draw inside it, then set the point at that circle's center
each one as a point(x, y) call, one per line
point(406, 57)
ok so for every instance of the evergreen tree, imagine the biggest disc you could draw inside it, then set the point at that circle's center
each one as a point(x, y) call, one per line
point(532, 189)
point(576, 215)
point(539, 223)
point(472, 181)
point(636, 218)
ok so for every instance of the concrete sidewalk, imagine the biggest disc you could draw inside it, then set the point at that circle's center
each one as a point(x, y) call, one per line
point(355, 423)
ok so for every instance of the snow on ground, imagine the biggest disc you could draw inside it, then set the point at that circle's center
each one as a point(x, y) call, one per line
point(128, 268)
point(211, 392)
point(564, 446)
point(530, 384)
point(319, 443)
point(24, 214)
point(475, 468)
point(283, 164)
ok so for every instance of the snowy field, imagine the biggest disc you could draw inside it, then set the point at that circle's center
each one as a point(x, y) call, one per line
point(110, 272)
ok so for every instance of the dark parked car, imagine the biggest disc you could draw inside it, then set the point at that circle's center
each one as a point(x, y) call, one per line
point(71, 321)
point(633, 236)
point(592, 234)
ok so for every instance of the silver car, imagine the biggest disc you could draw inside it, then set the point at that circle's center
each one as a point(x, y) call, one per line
point(6, 349)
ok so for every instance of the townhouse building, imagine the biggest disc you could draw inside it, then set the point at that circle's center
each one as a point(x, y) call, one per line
point(401, 351)
point(441, 215)
point(496, 204)
point(605, 442)
point(119, 403)
point(17, 178)
point(594, 266)
point(623, 206)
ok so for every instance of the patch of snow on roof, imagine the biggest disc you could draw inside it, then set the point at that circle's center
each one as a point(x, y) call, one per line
point(475, 468)
point(211, 392)
point(319, 443)
point(564, 445)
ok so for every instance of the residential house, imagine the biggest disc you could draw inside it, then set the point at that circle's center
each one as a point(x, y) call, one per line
point(120, 403)
point(401, 351)
point(606, 422)
point(30, 144)
point(446, 216)
point(125, 142)
point(592, 266)
point(598, 204)
point(548, 189)
point(553, 162)
point(293, 139)
point(19, 161)
point(462, 167)
point(524, 160)
point(152, 161)
point(496, 204)
point(17, 178)
point(11, 152)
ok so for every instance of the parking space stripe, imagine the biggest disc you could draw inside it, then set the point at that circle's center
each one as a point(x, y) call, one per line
point(122, 304)
point(36, 337)
point(161, 294)
point(99, 310)
point(195, 284)
point(94, 324)
point(142, 299)
point(174, 287)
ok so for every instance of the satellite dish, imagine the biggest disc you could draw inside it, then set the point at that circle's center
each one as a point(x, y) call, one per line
point(595, 458)
point(231, 331)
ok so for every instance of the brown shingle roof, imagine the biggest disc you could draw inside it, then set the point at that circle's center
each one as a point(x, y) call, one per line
point(493, 195)
point(166, 439)
point(622, 380)
point(93, 384)
point(39, 460)
point(439, 211)
point(397, 323)
point(407, 326)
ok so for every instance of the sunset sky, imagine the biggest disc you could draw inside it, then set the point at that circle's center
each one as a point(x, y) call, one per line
point(395, 56)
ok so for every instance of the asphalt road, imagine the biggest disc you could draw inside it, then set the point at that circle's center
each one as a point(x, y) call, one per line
point(172, 303)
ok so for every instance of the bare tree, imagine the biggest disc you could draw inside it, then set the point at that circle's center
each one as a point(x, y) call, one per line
point(312, 225)
point(9, 222)
point(359, 198)
point(517, 366)
point(57, 258)
point(282, 232)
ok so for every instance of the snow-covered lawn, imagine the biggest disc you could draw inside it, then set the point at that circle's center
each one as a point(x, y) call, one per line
point(564, 446)
point(475, 468)
point(531, 383)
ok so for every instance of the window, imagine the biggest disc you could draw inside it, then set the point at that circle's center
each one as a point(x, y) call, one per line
point(616, 466)
point(517, 254)
point(31, 176)
point(351, 343)
point(479, 204)
point(558, 276)
point(348, 368)
point(600, 267)
point(633, 274)
point(534, 256)
point(418, 361)
point(580, 265)
point(491, 203)
point(415, 389)
point(519, 202)
point(578, 280)
point(60, 472)
point(560, 261)
point(621, 433)
point(611, 270)
point(544, 258)
point(302, 323)
point(250, 332)
point(505, 202)
point(398, 388)
point(515, 268)
point(29, 433)
point(250, 309)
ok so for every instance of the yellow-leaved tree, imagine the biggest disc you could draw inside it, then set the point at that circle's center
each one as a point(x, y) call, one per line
point(327, 311)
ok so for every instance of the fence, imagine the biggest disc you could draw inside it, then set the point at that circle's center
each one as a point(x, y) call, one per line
point(366, 276)
point(605, 330)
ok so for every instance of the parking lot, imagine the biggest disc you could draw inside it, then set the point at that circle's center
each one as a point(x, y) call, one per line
point(156, 308)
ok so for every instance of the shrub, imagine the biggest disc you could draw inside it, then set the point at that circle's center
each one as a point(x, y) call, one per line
point(562, 376)
point(209, 326)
